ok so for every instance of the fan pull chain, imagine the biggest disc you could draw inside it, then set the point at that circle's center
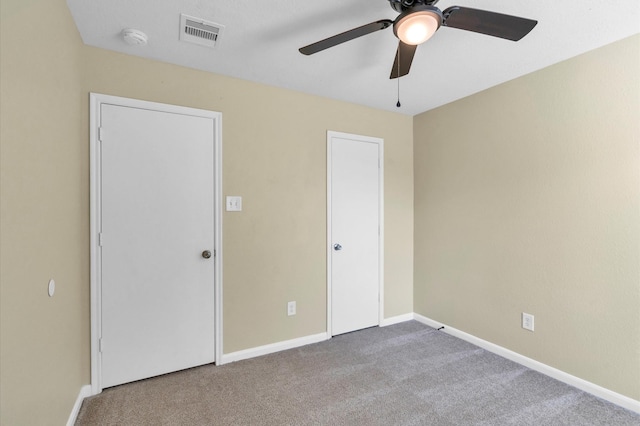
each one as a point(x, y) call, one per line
point(398, 104)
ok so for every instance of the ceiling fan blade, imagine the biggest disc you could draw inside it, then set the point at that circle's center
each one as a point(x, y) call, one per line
point(345, 36)
point(404, 54)
point(489, 23)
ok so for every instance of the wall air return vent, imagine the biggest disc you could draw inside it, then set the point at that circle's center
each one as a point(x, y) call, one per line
point(199, 31)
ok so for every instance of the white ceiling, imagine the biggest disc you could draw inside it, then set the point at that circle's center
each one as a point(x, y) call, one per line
point(261, 39)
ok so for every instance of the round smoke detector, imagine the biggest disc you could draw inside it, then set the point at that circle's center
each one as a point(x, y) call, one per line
point(134, 37)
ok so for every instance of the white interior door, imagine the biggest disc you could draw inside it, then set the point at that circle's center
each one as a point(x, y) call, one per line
point(355, 240)
point(157, 219)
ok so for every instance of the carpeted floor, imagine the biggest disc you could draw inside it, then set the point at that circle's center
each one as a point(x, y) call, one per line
point(405, 374)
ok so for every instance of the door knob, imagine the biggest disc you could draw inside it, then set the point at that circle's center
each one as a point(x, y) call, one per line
point(337, 247)
point(206, 254)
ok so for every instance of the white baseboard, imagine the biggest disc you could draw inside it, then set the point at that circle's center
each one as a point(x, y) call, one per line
point(592, 388)
point(396, 320)
point(599, 391)
point(273, 347)
point(85, 391)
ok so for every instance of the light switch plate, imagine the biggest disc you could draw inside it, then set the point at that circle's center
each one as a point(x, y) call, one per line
point(234, 203)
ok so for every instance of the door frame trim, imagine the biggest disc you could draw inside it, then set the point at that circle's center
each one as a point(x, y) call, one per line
point(380, 142)
point(96, 100)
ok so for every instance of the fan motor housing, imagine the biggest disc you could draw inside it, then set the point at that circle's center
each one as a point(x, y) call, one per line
point(404, 5)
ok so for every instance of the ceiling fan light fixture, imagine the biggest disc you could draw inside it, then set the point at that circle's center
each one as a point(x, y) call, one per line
point(417, 26)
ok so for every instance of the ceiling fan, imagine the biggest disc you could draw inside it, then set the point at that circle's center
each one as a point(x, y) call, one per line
point(420, 19)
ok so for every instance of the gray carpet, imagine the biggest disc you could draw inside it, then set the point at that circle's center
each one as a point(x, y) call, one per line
point(405, 374)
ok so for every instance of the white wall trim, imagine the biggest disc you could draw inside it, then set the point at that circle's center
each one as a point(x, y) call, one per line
point(85, 391)
point(95, 102)
point(592, 388)
point(273, 347)
point(330, 135)
point(396, 320)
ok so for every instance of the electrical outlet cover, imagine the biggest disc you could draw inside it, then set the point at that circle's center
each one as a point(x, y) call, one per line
point(527, 321)
point(291, 308)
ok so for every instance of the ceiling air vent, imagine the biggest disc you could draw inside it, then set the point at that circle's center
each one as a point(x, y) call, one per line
point(199, 31)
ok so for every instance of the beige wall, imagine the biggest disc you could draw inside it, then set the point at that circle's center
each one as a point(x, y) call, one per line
point(44, 342)
point(527, 199)
point(274, 155)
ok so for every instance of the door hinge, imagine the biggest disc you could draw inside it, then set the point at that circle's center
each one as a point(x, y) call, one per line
point(100, 239)
point(100, 134)
point(100, 345)
point(214, 253)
